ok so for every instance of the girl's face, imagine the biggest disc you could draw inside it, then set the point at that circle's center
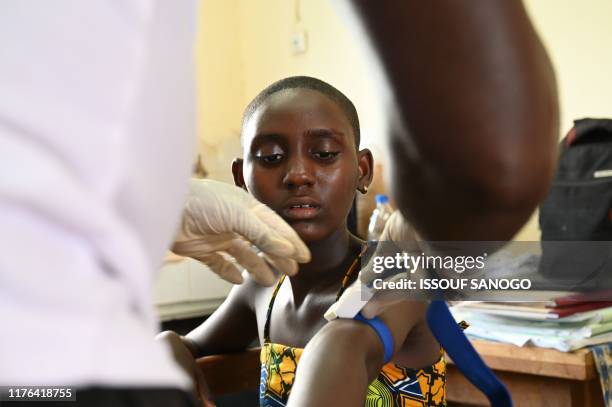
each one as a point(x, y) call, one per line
point(300, 159)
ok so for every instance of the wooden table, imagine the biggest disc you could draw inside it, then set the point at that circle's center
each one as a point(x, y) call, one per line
point(534, 376)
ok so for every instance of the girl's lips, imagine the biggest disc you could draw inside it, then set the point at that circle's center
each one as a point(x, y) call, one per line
point(301, 212)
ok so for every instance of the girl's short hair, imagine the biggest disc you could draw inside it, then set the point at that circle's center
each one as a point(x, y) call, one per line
point(307, 82)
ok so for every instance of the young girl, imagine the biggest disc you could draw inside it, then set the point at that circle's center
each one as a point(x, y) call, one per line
point(301, 158)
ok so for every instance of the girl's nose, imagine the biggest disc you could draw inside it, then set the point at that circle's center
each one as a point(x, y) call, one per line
point(298, 174)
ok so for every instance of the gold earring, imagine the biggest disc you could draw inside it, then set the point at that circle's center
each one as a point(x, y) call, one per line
point(364, 189)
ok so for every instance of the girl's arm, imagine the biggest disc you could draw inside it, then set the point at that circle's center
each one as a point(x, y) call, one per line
point(231, 328)
point(343, 358)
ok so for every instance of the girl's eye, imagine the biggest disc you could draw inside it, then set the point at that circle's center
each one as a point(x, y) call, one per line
point(325, 155)
point(270, 158)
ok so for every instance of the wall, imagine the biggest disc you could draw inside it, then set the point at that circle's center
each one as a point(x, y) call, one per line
point(220, 85)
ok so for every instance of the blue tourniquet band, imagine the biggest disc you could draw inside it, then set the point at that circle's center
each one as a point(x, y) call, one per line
point(382, 331)
point(465, 357)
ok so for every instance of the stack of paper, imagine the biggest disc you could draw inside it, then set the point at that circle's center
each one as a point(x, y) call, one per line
point(561, 324)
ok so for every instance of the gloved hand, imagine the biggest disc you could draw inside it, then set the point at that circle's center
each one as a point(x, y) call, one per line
point(370, 302)
point(221, 218)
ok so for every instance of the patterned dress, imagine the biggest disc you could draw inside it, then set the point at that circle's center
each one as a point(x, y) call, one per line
point(394, 386)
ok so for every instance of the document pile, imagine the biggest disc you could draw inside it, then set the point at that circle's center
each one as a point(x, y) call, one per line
point(564, 323)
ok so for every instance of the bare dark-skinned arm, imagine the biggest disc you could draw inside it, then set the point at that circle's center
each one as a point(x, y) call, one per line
point(475, 114)
point(345, 356)
point(231, 328)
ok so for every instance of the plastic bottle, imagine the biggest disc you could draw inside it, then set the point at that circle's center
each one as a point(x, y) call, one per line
point(379, 217)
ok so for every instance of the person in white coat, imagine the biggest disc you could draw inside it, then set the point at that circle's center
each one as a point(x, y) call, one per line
point(96, 140)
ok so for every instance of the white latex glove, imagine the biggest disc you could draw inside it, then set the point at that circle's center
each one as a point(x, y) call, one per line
point(358, 297)
point(220, 218)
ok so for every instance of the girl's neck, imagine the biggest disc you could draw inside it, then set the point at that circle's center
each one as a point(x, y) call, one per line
point(331, 258)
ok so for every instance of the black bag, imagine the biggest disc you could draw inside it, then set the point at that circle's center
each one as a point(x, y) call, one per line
point(579, 204)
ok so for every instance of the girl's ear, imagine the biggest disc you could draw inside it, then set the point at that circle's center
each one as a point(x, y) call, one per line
point(237, 173)
point(365, 162)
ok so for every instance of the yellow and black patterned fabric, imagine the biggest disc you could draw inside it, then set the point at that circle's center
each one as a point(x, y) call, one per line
point(395, 385)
